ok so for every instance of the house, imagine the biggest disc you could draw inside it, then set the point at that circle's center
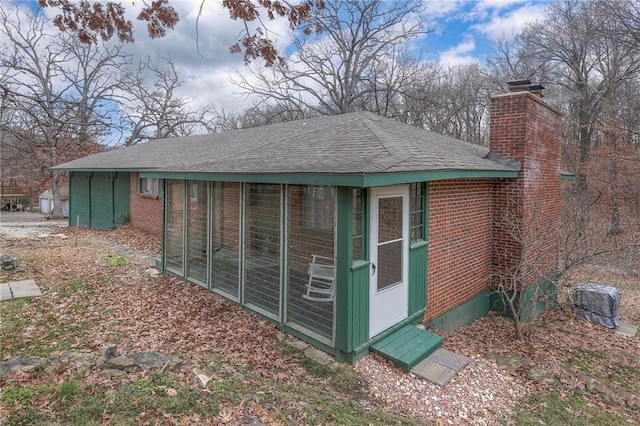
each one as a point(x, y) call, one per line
point(389, 224)
point(45, 201)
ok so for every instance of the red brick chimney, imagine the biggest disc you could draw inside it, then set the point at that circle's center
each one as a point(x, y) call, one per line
point(526, 211)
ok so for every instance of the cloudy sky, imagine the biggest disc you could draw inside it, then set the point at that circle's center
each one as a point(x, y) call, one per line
point(464, 30)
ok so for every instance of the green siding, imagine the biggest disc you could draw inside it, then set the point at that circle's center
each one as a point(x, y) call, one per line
point(543, 292)
point(99, 200)
point(122, 198)
point(417, 277)
point(359, 300)
point(79, 199)
point(463, 314)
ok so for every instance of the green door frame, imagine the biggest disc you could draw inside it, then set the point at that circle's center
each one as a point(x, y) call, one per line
point(352, 278)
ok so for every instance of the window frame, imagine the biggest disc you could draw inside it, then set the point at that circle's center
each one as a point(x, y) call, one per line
point(143, 186)
point(417, 211)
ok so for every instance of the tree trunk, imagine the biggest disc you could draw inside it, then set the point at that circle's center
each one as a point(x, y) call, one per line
point(584, 141)
point(614, 225)
point(55, 190)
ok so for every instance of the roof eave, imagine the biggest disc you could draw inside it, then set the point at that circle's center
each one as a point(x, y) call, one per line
point(362, 180)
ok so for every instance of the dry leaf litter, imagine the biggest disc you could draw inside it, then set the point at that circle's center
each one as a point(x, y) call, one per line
point(170, 315)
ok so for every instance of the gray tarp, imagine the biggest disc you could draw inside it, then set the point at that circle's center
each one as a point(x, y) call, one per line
point(597, 303)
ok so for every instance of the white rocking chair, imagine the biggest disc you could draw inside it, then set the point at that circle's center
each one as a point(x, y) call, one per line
point(321, 284)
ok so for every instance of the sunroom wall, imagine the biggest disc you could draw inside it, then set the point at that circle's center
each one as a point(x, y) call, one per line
point(273, 271)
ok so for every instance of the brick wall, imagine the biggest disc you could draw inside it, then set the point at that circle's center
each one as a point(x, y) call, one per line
point(146, 211)
point(459, 242)
point(526, 211)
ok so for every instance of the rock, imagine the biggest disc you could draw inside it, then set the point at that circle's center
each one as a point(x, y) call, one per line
point(81, 362)
point(8, 262)
point(633, 403)
point(298, 344)
point(152, 272)
point(109, 351)
point(511, 361)
point(118, 363)
point(540, 375)
point(31, 369)
point(319, 356)
point(153, 360)
point(248, 421)
point(18, 363)
point(202, 378)
point(110, 373)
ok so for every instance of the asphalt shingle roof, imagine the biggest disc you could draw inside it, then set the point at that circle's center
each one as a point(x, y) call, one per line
point(356, 143)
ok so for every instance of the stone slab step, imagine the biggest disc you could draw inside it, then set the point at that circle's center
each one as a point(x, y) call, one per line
point(17, 289)
point(441, 366)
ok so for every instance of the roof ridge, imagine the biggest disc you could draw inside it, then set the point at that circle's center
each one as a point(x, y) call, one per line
point(396, 155)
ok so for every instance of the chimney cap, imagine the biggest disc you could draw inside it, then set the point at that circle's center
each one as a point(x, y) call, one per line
point(535, 87)
point(525, 85)
point(518, 83)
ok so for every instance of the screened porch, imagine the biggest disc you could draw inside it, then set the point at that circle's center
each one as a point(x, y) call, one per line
point(256, 245)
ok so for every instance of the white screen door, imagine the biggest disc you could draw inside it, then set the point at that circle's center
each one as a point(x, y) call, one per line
point(389, 255)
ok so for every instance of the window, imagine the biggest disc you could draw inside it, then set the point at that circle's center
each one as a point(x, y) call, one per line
point(148, 186)
point(357, 225)
point(193, 191)
point(319, 207)
point(417, 194)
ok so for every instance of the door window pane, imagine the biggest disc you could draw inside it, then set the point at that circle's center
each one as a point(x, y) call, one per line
point(389, 264)
point(390, 211)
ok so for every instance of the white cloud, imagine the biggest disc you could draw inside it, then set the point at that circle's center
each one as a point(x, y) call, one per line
point(439, 9)
point(203, 56)
point(462, 54)
point(511, 22)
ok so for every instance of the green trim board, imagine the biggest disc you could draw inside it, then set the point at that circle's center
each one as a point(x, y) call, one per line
point(463, 314)
point(347, 287)
point(407, 346)
point(543, 291)
point(356, 180)
point(418, 276)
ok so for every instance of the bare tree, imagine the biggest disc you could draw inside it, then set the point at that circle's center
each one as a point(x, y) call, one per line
point(336, 72)
point(391, 76)
point(154, 109)
point(453, 101)
point(54, 90)
point(576, 48)
point(524, 283)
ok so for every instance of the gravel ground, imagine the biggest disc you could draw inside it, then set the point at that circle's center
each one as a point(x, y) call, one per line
point(18, 225)
point(15, 232)
point(481, 394)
